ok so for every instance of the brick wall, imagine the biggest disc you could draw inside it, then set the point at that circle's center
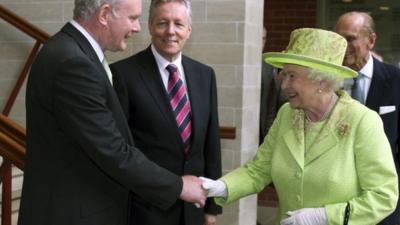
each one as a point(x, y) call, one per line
point(281, 17)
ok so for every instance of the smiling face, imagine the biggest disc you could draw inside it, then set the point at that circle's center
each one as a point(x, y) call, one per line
point(359, 40)
point(170, 29)
point(298, 88)
point(123, 24)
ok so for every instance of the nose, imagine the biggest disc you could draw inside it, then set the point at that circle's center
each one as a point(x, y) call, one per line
point(171, 28)
point(284, 82)
point(136, 26)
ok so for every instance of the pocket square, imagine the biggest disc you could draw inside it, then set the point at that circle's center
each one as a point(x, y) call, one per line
point(386, 109)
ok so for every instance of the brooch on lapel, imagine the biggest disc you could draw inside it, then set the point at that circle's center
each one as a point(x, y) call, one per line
point(343, 129)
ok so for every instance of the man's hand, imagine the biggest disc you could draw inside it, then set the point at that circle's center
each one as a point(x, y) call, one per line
point(192, 190)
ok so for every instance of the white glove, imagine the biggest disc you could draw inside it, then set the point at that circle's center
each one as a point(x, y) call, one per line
point(216, 188)
point(306, 216)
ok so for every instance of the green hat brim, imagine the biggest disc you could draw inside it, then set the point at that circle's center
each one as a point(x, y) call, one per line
point(278, 59)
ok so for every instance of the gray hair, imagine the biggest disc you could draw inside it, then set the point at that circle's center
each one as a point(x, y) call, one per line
point(86, 9)
point(334, 82)
point(156, 3)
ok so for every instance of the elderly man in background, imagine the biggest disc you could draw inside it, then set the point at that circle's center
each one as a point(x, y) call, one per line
point(377, 85)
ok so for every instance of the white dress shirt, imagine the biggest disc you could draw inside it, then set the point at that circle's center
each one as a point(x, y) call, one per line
point(162, 64)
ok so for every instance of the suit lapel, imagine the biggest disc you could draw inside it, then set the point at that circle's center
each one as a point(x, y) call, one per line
point(82, 42)
point(192, 77)
point(295, 145)
point(153, 83)
point(85, 46)
point(328, 138)
point(112, 99)
point(322, 144)
point(378, 83)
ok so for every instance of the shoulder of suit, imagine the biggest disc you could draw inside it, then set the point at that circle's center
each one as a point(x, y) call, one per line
point(354, 112)
point(186, 59)
point(129, 61)
point(61, 47)
point(390, 70)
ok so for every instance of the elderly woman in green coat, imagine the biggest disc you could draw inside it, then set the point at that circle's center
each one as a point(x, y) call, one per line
point(326, 154)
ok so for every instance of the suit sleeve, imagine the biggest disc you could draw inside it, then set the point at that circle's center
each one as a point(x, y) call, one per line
point(81, 105)
point(213, 147)
point(120, 88)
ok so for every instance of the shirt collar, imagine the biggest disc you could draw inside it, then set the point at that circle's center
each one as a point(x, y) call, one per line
point(162, 63)
point(368, 68)
point(92, 41)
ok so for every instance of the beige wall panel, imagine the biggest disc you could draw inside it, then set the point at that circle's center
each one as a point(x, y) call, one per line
point(36, 11)
point(214, 32)
point(225, 10)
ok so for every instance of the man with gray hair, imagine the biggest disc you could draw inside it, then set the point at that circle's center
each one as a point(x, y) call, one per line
point(81, 164)
point(377, 85)
point(170, 101)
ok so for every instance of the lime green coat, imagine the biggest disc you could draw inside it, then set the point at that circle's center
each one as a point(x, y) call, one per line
point(351, 161)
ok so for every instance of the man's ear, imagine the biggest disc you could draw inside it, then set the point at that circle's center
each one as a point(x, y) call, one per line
point(104, 14)
point(371, 41)
point(190, 30)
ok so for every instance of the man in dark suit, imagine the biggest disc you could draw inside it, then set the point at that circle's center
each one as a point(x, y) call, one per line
point(146, 87)
point(81, 164)
point(271, 97)
point(379, 83)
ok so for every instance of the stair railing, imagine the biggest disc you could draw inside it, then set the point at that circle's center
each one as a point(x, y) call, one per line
point(12, 136)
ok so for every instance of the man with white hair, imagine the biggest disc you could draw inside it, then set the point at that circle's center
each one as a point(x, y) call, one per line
point(377, 84)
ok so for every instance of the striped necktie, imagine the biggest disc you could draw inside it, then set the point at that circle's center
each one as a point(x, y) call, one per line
point(180, 105)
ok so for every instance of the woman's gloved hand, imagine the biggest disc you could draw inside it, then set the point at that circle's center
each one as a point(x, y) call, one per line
point(306, 216)
point(216, 188)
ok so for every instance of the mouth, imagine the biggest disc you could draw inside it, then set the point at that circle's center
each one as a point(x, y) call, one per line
point(170, 41)
point(128, 35)
point(290, 95)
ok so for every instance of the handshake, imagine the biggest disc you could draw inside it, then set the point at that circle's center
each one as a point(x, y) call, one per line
point(198, 189)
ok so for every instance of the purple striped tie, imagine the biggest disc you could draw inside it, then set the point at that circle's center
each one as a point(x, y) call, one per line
point(180, 105)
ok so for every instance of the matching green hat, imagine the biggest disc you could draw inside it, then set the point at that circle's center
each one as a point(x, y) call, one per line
point(314, 48)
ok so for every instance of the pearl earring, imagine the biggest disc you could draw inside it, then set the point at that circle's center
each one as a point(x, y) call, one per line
point(319, 90)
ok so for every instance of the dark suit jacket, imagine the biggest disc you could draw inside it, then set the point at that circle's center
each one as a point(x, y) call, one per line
point(271, 98)
point(81, 162)
point(152, 122)
point(385, 91)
